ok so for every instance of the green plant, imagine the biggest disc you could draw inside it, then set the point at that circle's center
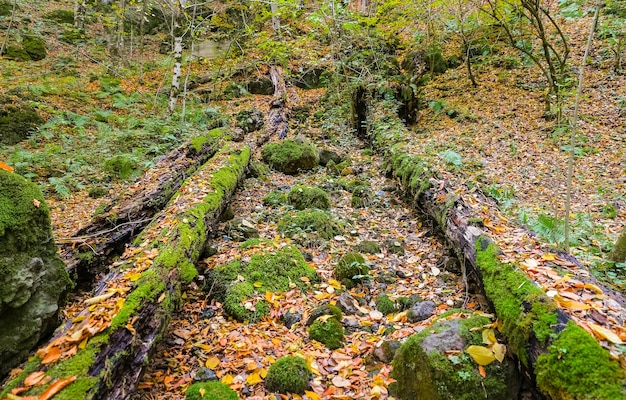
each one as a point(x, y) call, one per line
point(504, 195)
point(452, 158)
point(437, 105)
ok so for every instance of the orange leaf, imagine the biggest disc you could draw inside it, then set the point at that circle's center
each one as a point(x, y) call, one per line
point(168, 379)
point(53, 355)
point(571, 304)
point(33, 378)
point(606, 334)
point(481, 371)
point(56, 388)
point(6, 167)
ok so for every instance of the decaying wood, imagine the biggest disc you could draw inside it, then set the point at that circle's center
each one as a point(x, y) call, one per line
point(93, 246)
point(277, 121)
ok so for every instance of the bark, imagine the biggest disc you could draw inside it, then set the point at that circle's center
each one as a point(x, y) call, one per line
point(80, 9)
point(278, 123)
point(91, 249)
point(115, 349)
point(178, 60)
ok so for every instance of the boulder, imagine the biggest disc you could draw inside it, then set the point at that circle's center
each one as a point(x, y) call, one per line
point(290, 156)
point(34, 278)
point(433, 365)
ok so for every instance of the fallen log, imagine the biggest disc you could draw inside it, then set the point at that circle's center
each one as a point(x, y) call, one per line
point(561, 358)
point(108, 345)
point(93, 247)
point(277, 123)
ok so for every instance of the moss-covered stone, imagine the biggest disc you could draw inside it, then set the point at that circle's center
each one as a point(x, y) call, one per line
point(385, 305)
point(241, 229)
point(34, 279)
point(368, 246)
point(236, 302)
point(327, 330)
point(325, 309)
point(213, 390)
point(328, 155)
point(35, 47)
point(424, 372)
point(290, 156)
point(305, 221)
point(16, 53)
point(61, 16)
point(352, 267)
point(577, 367)
point(288, 375)
point(5, 8)
point(302, 197)
point(275, 198)
point(362, 196)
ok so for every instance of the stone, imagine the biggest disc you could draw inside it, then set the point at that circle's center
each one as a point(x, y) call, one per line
point(386, 350)
point(204, 375)
point(421, 311)
point(290, 156)
point(395, 246)
point(290, 319)
point(328, 155)
point(34, 279)
point(262, 86)
point(241, 229)
point(346, 303)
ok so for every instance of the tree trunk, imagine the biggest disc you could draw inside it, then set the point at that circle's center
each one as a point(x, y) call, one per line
point(618, 254)
point(178, 61)
point(533, 325)
point(80, 9)
point(118, 329)
point(278, 123)
point(275, 17)
point(93, 247)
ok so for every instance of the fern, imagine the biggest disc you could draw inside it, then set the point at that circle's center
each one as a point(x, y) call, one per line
point(549, 228)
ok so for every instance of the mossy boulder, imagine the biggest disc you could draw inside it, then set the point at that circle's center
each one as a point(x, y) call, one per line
point(424, 370)
point(350, 268)
point(385, 305)
point(35, 47)
point(34, 278)
point(302, 197)
point(61, 16)
point(16, 53)
point(241, 229)
point(250, 120)
point(243, 304)
point(329, 155)
point(213, 390)
point(368, 246)
point(290, 156)
point(5, 8)
point(326, 309)
point(362, 196)
point(327, 330)
point(288, 375)
point(307, 221)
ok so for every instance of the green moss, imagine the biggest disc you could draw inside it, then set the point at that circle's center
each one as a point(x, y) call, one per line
point(17, 120)
point(326, 309)
point(254, 242)
point(208, 139)
point(275, 199)
point(328, 331)
point(61, 16)
point(351, 266)
point(368, 246)
point(576, 367)
point(362, 196)
point(278, 270)
point(385, 305)
point(35, 47)
point(234, 303)
point(16, 53)
point(290, 156)
point(288, 375)
point(214, 390)
point(309, 221)
point(302, 197)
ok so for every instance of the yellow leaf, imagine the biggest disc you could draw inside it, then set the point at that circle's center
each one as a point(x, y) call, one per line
point(593, 287)
point(489, 337)
point(499, 350)
point(202, 391)
point(605, 333)
point(480, 354)
point(263, 372)
point(204, 346)
point(257, 284)
point(312, 395)
point(212, 362)
point(134, 276)
point(227, 379)
point(334, 283)
point(254, 378)
point(324, 318)
point(571, 304)
point(548, 256)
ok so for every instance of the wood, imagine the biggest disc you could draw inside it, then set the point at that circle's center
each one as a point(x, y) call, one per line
point(277, 121)
point(105, 236)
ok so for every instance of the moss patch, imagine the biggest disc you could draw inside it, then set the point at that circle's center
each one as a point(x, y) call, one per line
point(302, 197)
point(17, 120)
point(290, 156)
point(327, 330)
point(351, 267)
point(288, 375)
point(214, 390)
point(385, 305)
point(309, 221)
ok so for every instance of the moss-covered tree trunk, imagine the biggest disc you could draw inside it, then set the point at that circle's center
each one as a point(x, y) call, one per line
point(565, 361)
point(107, 346)
point(93, 247)
point(618, 254)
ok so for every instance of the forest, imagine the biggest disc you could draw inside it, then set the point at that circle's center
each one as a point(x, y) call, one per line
point(300, 199)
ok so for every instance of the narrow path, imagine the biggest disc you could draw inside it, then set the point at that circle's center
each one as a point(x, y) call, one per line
point(201, 340)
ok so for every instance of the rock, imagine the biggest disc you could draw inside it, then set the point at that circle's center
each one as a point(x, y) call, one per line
point(262, 86)
point(351, 323)
point(362, 196)
point(395, 246)
point(387, 350)
point(290, 157)
point(302, 197)
point(368, 246)
point(34, 278)
point(326, 309)
point(328, 155)
point(425, 370)
point(347, 303)
point(205, 374)
point(421, 311)
point(250, 120)
point(290, 319)
point(241, 229)
point(208, 313)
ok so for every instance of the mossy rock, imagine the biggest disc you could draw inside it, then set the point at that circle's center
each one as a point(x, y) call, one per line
point(327, 330)
point(35, 47)
point(424, 371)
point(368, 246)
point(362, 196)
point(306, 221)
point(61, 16)
point(290, 156)
point(385, 305)
point(213, 390)
point(34, 278)
point(258, 170)
point(395, 246)
point(250, 120)
point(288, 375)
point(350, 267)
point(17, 121)
point(241, 229)
point(275, 198)
point(302, 197)
point(73, 36)
point(328, 155)
point(16, 53)
point(5, 8)
point(326, 309)
point(236, 303)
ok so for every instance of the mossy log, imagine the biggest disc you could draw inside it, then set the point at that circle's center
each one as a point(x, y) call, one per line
point(93, 246)
point(277, 121)
point(107, 347)
point(561, 358)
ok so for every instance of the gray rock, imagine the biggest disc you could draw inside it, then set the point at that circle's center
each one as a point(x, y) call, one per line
point(421, 311)
point(290, 319)
point(387, 350)
point(449, 339)
point(241, 229)
point(34, 279)
point(346, 303)
point(205, 374)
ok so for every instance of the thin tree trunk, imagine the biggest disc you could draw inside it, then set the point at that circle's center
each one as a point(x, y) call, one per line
point(178, 59)
point(275, 17)
point(80, 8)
point(6, 37)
